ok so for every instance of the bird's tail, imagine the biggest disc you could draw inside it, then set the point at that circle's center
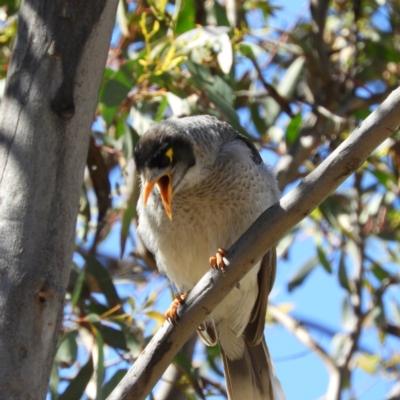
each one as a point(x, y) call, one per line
point(252, 376)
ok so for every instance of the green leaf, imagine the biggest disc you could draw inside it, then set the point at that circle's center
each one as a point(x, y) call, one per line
point(288, 83)
point(251, 50)
point(286, 87)
point(213, 359)
point(114, 93)
point(108, 113)
point(338, 343)
point(93, 318)
point(127, 217)
point(224, 89)
point(96, 271)
point(384, 178)
point(67, 350)
point(186, 16)
point(362, 114)
point(95, 308)
point(382, 50)
point(219, 92)
point(285, 243)
point(257, 120)
point(114, 90)
point(368, 362)
point(161, 109)
point(201, 74)
point(134, 345)
point(78, 385)
point(108, 73)
point(84, 210)
point(130, 140)
point(302, 273)
point(396, 313)
point(100, 363)
point(132, 192)
point(184, 364)
point(334, 206)
point(78, 287)
point(323, 260)
point(220, 14)
point(113, 337)
point(342, 273)
point(112, 383)
point(379, 272)
point(293, 129)
point(54, 381)
point(347, 314)
point(378, 315)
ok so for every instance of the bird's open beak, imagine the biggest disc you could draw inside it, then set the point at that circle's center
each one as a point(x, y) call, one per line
point(165, 186)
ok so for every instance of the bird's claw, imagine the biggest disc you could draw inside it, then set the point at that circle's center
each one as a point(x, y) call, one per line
point(219, 262)
point(171, 314)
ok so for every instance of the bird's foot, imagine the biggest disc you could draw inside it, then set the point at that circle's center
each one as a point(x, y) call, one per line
point(219, 262)
point(171, 314)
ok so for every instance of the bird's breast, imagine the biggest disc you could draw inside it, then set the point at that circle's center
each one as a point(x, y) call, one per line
point(205, 217)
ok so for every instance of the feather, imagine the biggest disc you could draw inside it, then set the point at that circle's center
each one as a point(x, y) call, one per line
point(252, 376)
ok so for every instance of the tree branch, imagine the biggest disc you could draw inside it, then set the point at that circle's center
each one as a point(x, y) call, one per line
point(302, 334)
point(319, 10)
point(254, 243)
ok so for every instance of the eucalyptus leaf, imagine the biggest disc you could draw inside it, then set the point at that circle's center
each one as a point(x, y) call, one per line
point(77, 386)
point(111, 384)
point(302, 273)
point(67, 350)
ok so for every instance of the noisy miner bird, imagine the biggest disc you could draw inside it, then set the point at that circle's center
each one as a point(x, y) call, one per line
point(203, 185)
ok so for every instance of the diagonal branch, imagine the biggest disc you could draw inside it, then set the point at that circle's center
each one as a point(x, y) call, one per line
point(254, 243)
point(302, 334)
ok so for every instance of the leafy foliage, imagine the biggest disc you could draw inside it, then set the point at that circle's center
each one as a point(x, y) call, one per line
point(297, 92)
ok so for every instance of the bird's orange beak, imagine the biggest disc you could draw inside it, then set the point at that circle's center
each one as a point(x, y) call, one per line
point(165, 186)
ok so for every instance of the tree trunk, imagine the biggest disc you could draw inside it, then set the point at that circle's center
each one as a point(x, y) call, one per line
point(45, 123)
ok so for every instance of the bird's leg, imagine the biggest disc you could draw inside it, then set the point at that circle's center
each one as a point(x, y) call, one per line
point(171, 314)
point(219, 262)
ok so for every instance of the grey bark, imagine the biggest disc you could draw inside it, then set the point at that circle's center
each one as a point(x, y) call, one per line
point(45, 123)
point(254, 243)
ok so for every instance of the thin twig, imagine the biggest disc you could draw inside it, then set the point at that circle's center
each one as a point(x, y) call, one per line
point(302, 334)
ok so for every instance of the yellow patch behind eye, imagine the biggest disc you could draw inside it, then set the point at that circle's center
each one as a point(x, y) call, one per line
point(170, 154)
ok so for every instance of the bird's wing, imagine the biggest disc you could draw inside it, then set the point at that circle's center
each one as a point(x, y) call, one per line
point(255, 155)
point(254, 331)
point(252, 376)
point(208, 333)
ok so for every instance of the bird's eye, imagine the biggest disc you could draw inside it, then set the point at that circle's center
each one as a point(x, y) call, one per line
point(166, 159)
point(164, 162)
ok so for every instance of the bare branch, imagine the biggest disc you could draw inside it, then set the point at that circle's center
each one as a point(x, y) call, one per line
point(392, 330)
point(318, 10)
point(254, 243)
point(283, 103)
point(302, 334)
